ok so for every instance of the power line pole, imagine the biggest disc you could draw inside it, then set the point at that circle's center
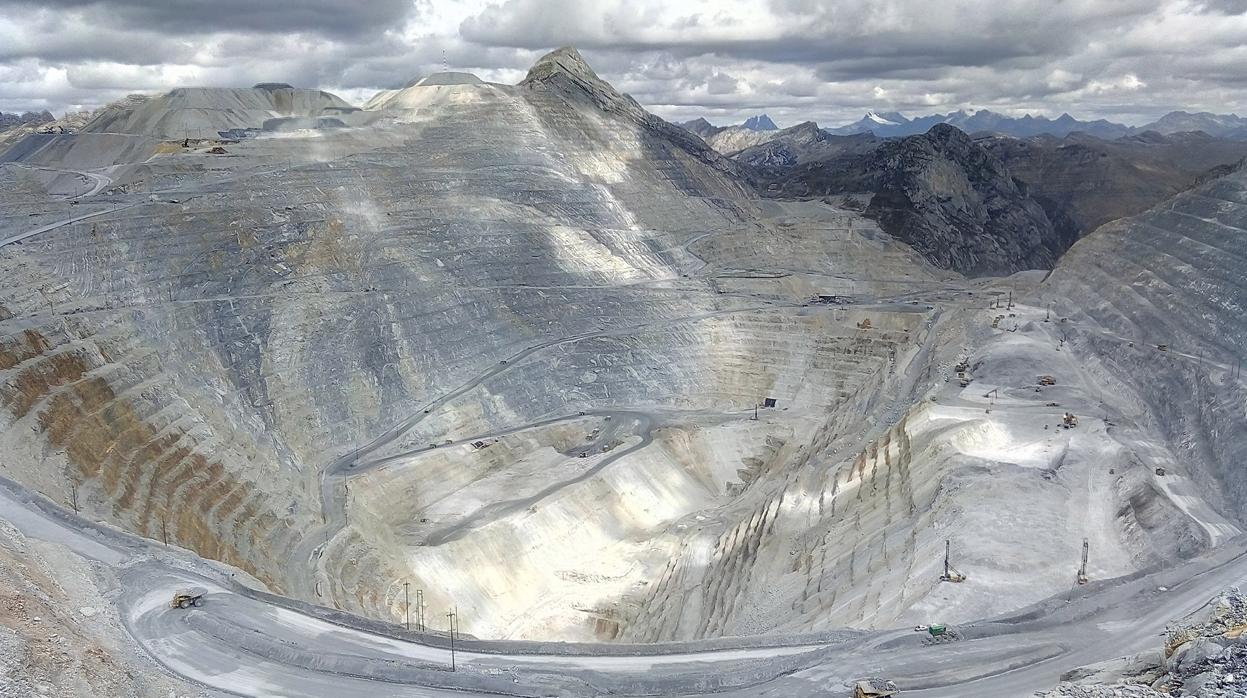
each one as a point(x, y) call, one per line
point(407, 605)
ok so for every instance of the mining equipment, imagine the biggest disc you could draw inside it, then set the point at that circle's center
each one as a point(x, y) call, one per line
point(951, 574)
point(874, 688)
point(187, 598)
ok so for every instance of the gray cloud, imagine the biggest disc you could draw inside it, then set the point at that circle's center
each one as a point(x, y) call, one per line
point(826, 60)
point(195, 17)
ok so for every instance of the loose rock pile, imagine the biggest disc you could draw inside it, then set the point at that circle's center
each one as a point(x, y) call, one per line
point(1205, 655)
point(1069, 690)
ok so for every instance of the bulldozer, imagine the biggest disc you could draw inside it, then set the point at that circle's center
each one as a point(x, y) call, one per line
point(1069, 421)
point(187, 598)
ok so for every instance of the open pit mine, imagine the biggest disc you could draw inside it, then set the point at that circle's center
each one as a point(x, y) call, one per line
point(485, 389)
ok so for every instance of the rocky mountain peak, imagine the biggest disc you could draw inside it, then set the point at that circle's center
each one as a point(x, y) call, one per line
point(565, 60)
point(761, 122)
point(946, 135)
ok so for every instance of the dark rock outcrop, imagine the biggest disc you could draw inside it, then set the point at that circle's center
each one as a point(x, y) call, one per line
point(953, 197)
point(958, 206)
point(1083, 182)
point(940, 192)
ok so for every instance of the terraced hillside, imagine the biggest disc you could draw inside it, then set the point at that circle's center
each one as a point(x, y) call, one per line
point(505, 345)
point(1173, 278)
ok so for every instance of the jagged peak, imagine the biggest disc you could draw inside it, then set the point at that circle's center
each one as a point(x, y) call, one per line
point(760, 122)
point(562, 60)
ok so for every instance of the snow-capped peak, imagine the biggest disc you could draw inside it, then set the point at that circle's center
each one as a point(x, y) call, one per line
point(870, 115)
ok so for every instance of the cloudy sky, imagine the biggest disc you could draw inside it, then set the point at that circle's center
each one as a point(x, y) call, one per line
point(826, 60)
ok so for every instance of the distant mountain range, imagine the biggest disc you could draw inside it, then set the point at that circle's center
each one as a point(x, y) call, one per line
point(894, 124)
point(8, 121)
point(1221, 125)
point(705, 129)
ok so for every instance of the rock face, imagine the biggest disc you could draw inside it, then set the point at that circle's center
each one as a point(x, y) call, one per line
point(1083, 182)
point(1079, 182)
point(940, 192)
point(958, 206)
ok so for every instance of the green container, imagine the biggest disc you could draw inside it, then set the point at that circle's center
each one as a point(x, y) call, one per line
point(937, 629)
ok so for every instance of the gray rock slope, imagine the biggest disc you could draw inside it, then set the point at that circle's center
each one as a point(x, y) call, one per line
point(1174, 276)
point(203, 111)
point(210, 356)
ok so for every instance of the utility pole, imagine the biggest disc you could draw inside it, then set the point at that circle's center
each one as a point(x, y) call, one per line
point(755, 410)
point(451, 617)
point(164, 530)
point(407, 605)
point(73, 495)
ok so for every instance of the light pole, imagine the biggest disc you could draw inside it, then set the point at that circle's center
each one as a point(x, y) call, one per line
point(451, 617)
point(407, 608)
